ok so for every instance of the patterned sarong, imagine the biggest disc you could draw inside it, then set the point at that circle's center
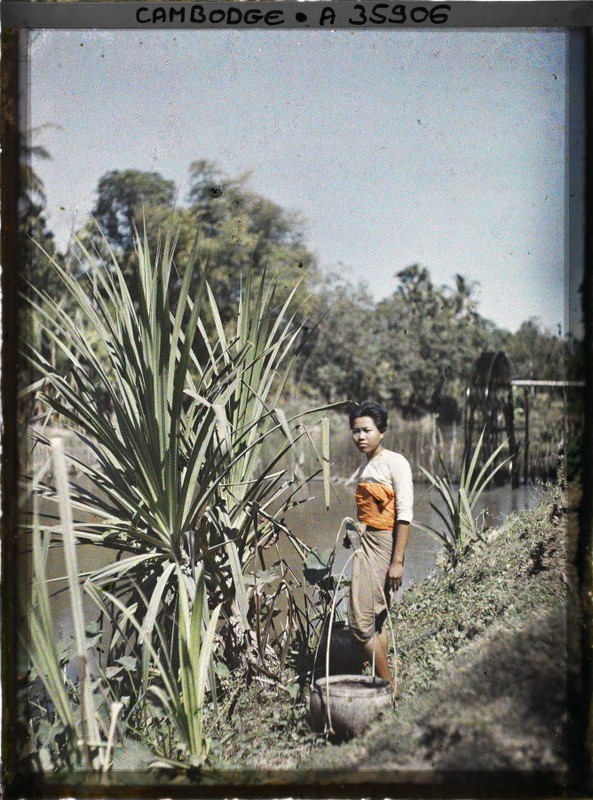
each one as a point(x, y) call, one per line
point(367, 609)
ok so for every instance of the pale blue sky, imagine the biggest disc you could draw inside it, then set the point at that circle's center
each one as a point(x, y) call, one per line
point(445, 148)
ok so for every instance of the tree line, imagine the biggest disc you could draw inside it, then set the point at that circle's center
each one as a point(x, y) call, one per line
point(413, 350)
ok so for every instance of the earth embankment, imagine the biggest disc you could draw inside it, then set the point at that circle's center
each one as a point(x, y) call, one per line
point(485, 662)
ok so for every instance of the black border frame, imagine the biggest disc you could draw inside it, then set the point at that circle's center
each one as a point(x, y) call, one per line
point(17, 17)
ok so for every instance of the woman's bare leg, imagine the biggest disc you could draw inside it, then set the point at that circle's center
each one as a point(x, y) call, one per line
point(379, 643)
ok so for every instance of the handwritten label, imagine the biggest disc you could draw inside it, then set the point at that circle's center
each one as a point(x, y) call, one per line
point(322, 16)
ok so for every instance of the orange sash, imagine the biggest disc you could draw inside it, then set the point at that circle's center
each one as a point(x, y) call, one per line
point(375, 505)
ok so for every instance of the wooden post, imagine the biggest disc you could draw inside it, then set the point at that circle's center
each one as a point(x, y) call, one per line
point(512, 439)
point(453, 448)
point(565, 423)
point(526, 447)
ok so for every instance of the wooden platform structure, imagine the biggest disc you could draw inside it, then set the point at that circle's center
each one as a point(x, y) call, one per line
point(527, 386)
point(491, 406)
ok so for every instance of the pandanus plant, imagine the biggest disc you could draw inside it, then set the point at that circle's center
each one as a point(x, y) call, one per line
point(179, 488)
point(460, 529)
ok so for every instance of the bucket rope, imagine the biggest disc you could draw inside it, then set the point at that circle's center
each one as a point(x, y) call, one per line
point(345, 521)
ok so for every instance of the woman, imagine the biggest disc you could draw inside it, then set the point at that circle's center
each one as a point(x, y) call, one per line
point(384, 500)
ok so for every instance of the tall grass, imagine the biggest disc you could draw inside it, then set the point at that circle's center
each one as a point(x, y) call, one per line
point(71, 707)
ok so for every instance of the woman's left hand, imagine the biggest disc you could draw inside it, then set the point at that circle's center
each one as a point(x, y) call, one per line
point(395, 575)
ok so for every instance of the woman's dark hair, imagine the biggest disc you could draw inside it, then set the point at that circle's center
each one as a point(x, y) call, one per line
point(369, 408)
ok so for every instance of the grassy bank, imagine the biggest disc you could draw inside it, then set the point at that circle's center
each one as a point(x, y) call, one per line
point(482, 656)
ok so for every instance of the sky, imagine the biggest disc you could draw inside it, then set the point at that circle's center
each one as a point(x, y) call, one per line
point(445, 148)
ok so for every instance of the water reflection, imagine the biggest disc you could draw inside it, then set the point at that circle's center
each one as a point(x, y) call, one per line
point(318, 528)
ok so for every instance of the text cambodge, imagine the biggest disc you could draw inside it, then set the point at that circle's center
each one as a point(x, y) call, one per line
point(320, 15)
point(197, 15)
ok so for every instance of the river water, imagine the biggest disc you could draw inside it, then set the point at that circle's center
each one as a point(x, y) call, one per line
point(319, 528)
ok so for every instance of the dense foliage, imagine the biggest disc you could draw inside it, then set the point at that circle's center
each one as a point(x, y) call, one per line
point(413, 350)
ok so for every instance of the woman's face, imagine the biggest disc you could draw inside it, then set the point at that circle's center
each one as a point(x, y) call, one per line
point(367, 437)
